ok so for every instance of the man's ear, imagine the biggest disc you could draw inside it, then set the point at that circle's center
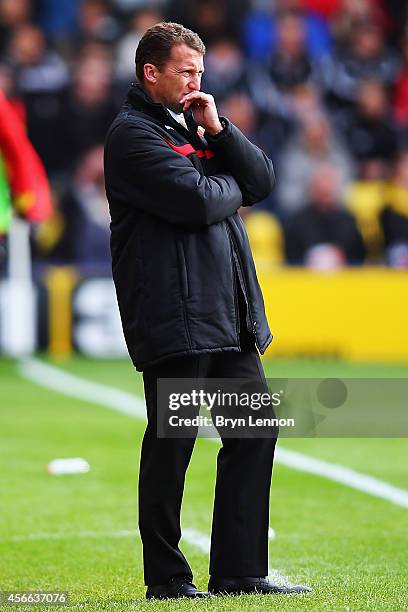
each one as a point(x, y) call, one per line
point(150, 73)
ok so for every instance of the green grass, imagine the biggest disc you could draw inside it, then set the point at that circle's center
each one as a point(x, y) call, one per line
point(350, 547)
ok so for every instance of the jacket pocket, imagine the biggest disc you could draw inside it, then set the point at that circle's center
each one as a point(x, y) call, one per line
point(182, 270)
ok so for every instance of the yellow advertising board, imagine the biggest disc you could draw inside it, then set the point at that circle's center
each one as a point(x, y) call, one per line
point(356, 314)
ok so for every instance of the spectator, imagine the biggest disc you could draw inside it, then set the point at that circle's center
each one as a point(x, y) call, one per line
point(368, 127)
point(273, 84)
point(398, 11)
point(59, 19)
point(356, 12)
point(226, 70)
point(306, 100)
point(13, 13)
point(125, 57)
point(96, 22)
point(261, 30)
point(364, 58)
point(314, 143)
point(240, 109)
point(290, 64)
point(211, 19)
point(83, 217)
point(38, 68)
point(90, 104)
point(394, 217)
point(323, 235)
point(41, 77)
point(365, 200)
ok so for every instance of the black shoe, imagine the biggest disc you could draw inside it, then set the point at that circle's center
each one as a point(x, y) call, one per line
point(176, 587)
point(245, 584)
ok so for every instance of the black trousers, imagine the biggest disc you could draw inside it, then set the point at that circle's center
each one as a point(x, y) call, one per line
point(239, 539)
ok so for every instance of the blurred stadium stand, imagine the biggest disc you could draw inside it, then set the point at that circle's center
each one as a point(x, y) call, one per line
point(320, 85)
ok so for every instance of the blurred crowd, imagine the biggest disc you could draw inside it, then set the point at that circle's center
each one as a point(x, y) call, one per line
point(320, 85)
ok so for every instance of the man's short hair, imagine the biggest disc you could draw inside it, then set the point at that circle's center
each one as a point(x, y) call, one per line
point(157, 42)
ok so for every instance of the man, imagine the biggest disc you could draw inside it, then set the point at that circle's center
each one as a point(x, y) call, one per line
point(189, 299)
point(323, 234)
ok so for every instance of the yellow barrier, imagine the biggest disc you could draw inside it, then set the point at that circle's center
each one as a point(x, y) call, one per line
point(60, 282)
point(355, 314)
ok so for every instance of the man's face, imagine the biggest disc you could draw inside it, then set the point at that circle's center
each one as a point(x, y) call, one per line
point(180, 76)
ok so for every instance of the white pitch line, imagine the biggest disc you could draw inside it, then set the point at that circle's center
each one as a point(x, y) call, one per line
point(343, 475)
point(67, 535)
point(193, 537)
point(197, 539)
point(53, 378)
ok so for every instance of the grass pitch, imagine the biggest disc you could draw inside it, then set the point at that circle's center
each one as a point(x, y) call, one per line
point(77, 533)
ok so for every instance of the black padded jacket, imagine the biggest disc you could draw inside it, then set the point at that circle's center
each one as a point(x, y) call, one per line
point(179, 247)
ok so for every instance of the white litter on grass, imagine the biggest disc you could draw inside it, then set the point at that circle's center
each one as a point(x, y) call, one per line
point(271, 533)
point(75, 465)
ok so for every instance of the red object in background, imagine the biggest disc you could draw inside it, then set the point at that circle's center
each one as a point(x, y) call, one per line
point(25, 172)
point(382, 15)
point(401, 99)
point(324, 8)
point(327, 9)
point(19, 108)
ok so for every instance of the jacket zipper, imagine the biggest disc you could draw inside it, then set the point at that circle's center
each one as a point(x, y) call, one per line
point(236, 306)
point(183, 285)
point(241, 277)
point(182, 270)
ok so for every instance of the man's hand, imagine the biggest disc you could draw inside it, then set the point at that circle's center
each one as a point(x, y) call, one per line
point(204, 111)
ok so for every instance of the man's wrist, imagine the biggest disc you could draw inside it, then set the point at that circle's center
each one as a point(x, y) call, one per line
point(214, 131)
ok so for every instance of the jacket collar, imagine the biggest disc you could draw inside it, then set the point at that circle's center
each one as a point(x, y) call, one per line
point(140, 100)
